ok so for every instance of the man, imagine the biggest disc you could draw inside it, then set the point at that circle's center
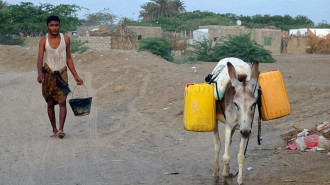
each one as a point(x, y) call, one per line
point(54, 49)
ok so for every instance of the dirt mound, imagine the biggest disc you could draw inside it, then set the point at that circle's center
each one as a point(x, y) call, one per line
point(17, 58)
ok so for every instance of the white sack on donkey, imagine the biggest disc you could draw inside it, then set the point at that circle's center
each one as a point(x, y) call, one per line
point(222, 77)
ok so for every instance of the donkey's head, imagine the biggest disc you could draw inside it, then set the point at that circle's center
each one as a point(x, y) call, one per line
point(244, 101)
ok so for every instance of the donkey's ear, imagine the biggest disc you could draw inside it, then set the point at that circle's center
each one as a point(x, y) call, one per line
point(232, 74)
point(255, 71)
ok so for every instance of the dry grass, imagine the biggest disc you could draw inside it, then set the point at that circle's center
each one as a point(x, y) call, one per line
point(319, 45)
point(120, 88)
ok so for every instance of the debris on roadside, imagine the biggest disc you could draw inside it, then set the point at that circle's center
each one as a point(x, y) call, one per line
point(312, 139)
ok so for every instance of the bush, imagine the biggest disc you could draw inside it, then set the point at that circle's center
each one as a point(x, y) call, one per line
point(203, 50)
point(158, 46)
point(232, 46)
point(77, 46)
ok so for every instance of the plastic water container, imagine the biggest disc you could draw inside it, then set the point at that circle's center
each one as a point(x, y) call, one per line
point(274, 98)
point(199, 107)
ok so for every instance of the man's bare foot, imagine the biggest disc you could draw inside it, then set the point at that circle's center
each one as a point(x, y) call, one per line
point(54, 134)
point(61, 134)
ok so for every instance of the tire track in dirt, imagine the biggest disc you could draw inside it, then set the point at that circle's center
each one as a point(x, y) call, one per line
point(133, 112)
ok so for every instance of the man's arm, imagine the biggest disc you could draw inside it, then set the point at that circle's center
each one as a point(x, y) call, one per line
point(70, 61)
point(40, 59)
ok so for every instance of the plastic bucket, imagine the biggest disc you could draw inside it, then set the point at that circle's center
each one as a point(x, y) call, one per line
point(80, 106)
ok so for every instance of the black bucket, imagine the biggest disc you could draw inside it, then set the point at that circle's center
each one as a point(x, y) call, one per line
point(80, 106)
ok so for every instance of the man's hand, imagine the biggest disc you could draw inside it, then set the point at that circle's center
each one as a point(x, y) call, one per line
point(79, 81)
point(41, 78)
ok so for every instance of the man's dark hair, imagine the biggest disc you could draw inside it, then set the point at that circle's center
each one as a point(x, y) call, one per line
point(53, 18)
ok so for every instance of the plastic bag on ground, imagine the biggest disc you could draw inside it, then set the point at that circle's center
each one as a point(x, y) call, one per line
point(311, 142)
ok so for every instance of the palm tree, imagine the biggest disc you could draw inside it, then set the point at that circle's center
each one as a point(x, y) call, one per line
point(3, 4)
point(164, 8)
point(178, 6)
point(148, 10)
point(161, 8)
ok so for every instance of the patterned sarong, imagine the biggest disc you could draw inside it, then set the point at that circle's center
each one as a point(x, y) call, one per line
point(55, 84)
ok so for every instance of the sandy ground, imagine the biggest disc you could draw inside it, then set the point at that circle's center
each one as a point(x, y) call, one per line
point(135, 135)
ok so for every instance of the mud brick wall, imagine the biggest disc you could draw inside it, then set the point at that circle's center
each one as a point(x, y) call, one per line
point(259, 35)
point(146, 32)
point(217, 32)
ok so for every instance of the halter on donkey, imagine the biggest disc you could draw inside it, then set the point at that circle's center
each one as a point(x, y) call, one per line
point(236, 109)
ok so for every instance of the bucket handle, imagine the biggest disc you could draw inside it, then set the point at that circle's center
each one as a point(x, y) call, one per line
point(75, 88)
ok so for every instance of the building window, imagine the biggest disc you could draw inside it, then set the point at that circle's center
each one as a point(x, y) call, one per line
point(215, 39)
point(139, 37)
point(268, 41)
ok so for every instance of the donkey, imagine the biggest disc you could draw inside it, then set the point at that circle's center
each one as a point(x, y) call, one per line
point(236, 110)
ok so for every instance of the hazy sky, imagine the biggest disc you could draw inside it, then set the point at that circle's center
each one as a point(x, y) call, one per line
point(316, 10)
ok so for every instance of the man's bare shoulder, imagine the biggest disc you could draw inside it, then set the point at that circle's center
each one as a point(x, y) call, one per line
point(66, 38)
point(42, 40)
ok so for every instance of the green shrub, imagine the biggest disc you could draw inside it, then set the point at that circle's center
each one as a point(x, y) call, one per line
point(158, 46)
point(203, 50)
point(77, 46)
point(242, 47)
point(232, 46)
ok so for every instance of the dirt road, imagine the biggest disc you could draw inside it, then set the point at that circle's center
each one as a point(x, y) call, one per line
point(134, 134)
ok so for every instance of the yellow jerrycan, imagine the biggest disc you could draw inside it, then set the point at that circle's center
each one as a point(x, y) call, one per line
point(199, 107)
point(274, 98)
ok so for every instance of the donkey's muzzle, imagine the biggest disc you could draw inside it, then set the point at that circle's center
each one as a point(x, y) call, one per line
point(245, 133)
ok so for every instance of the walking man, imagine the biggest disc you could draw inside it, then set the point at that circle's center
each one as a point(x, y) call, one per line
point(54, 58)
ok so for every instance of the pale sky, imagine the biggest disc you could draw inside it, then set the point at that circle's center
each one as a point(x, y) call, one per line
point(316, 10)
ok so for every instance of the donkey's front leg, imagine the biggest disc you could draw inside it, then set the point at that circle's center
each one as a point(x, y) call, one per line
point(240, 159)
point(217, 146)
point(226, 155)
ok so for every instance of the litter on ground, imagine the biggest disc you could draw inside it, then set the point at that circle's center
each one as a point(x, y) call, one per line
point(312, 139)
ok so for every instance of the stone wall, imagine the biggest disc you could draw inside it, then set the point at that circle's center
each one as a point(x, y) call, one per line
point(94, 43)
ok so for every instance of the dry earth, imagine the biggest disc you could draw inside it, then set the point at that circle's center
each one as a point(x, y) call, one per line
point(135, 135)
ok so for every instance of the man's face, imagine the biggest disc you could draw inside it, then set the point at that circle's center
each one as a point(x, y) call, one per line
point(53, 27)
